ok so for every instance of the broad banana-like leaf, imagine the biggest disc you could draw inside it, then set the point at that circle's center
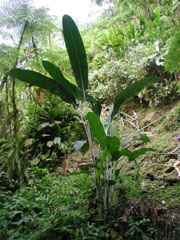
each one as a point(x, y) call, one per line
point(39, 80)
point(124, 152)
point(96, 106)
point(97, 129)
point(139, 152)
point(57, 75)
point(112, 143)
point(131, 91)
point(76, 52)
point(132, 155)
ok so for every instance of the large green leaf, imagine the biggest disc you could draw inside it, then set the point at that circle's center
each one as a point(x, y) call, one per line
point(124, 152)
point(57, 75)
point(76, 52)
point(39, 80)
point(133, 155)
point(131, 91)
point(139, 152)
point(96, 106)
point(112, 143)
point(97, 129)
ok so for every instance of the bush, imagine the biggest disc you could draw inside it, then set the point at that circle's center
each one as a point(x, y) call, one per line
point(165, 90)
point(139, 61)
point(173, 56)
point(106, 81)
point(49, 207)
point(51, 131)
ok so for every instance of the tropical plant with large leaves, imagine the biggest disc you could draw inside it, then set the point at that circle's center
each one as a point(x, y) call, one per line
point(105, 170)
point(59, 85)
point(77, 94)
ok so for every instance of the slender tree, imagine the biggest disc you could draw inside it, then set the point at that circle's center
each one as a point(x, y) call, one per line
point(24, 27)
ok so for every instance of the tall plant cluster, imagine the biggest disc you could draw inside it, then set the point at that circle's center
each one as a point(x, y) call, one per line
point(51, 129)
point(88, 109)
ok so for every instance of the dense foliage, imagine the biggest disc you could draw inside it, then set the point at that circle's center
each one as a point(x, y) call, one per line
point(50, 206)
point(52, 129)
point(128, 42)
point(74, 103)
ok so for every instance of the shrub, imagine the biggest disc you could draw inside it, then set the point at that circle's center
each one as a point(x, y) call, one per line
point(49, 206)
point(116, 74)
point(173, 56)
point(165, 90)
point(139, 61)
point(51, 131)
